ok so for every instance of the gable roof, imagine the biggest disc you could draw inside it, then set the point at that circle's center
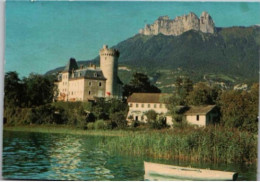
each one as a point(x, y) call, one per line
point(72, 64)
point(194, 110)
point(146, 97)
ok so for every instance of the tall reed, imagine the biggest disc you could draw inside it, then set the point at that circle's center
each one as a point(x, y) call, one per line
point(211, 144)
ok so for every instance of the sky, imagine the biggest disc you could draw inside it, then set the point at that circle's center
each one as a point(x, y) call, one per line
point(41, 35)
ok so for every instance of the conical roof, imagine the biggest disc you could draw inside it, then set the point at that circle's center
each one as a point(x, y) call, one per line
point(72, 64)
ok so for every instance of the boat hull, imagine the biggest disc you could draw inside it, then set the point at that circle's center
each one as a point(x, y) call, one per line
point(164, 172)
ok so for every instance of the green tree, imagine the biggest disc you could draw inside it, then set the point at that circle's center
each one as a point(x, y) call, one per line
point(176, 102)
point(39, 89)
point(116, 105)
point(203, 94)
point(183, 86)
point(240, 109)
point(14, 89)
point(140, 83)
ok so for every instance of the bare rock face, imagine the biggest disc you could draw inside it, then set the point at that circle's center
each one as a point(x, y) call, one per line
point(180, 24)
point(206, 23)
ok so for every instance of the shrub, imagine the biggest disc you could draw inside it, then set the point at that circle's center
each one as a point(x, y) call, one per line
point(100, 125)
point(90, 126)
point(151, 115)
point(42, 115)
point(16, 115)
point(158, 123)
point(90, 117)
point(119, 119)
point(135, 124)
point(110, 125)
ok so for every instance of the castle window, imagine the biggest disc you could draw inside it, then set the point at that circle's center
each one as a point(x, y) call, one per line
point(89, 92)
point(100, 84)
point(95, 74)
point(89, 83)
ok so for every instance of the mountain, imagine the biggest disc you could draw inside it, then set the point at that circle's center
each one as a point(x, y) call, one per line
point(180, 25)
point(227, 55)
point(232, 51)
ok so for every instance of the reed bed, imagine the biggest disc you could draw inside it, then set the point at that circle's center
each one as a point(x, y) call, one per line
point(211, 144)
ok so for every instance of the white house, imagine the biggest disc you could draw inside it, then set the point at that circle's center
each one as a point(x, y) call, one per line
point(201, 115)
point(140, 103)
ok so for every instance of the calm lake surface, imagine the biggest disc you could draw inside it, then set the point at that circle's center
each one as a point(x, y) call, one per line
point(45, 156)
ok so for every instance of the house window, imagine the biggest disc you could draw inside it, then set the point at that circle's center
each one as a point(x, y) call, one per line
point(89, 92)
point(95, 74)
point(131, 105)
point(198, 117)
point(160, 106)
point(154, 106)
point(100, 84)
point(136, 118)
point(142, 105)
point(148, 105)
point(89, 83)
point(136, 105)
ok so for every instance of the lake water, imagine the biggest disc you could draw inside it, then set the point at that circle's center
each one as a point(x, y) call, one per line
point(48, 156)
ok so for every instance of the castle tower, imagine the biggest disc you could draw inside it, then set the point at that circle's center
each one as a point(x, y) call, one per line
point(109, 66)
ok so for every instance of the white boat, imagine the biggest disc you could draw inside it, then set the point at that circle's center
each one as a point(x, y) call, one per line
point(164, 172)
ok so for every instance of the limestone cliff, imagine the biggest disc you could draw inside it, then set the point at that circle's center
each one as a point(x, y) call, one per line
point(180, 24)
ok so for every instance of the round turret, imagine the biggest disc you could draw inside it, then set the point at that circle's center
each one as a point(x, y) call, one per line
point(109, 66)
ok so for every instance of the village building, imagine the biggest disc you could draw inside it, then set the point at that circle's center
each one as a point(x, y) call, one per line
point(86, 83)
point(201, 115)
point(140, 103)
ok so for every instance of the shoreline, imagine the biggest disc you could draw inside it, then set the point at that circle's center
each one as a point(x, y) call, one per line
point(211, 145)
point(62, 129)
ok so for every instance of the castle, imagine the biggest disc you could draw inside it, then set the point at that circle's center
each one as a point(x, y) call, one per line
point(87, 83)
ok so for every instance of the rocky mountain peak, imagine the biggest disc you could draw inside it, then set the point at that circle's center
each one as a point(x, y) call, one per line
point(180, 24)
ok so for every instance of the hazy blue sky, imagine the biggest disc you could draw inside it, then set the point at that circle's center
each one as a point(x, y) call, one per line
point(43, 35)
